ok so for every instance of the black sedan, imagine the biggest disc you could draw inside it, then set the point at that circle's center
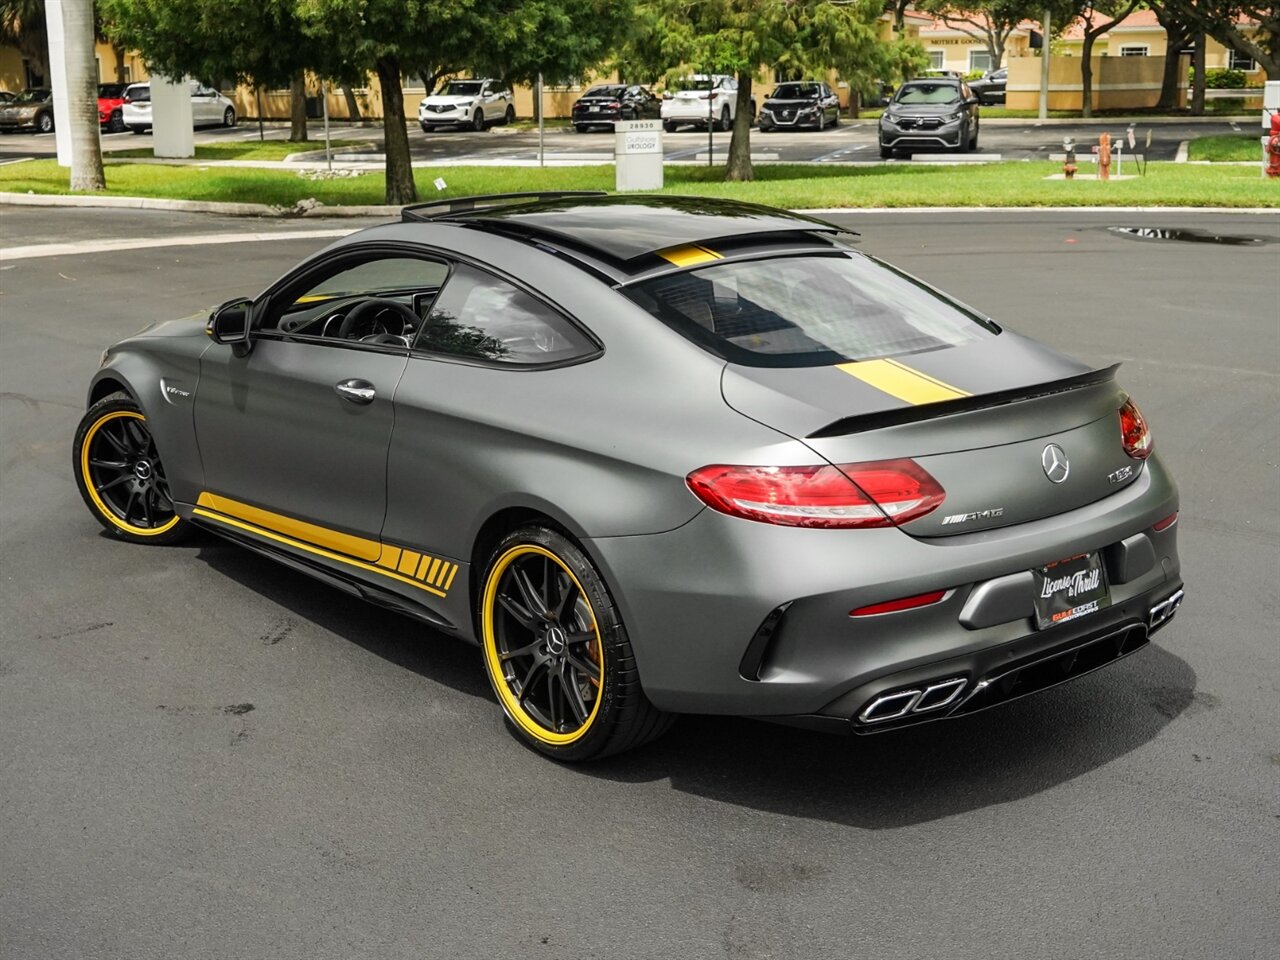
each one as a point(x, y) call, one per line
point(800, 105)
point(606, 104)
point(991, 87)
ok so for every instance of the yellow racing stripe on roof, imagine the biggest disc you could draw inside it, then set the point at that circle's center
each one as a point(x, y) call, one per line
point(689, 256)
point(903, 382)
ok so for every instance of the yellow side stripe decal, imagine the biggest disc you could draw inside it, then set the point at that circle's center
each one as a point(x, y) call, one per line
point(899, 380)
point(298, 529)
point(689, 256)
point(297, 544)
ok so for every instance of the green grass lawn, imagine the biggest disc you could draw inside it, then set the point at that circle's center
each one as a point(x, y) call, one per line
point(249, 150)
point(1011, 184)
point(1231, 146)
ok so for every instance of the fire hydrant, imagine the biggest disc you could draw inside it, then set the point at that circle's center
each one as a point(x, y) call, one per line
point(1069, 167)
point(1273, 147)
point(1104, 157)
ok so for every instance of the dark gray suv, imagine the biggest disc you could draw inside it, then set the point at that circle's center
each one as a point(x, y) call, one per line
point(937, 112)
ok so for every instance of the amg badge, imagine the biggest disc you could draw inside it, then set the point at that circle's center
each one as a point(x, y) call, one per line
point(977, 515)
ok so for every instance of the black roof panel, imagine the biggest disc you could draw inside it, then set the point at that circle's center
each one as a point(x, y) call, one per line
point(623, 228)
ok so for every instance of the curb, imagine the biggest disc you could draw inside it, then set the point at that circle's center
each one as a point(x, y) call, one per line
point(320, 211)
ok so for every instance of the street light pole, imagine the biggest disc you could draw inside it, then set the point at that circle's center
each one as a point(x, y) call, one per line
point(1044, 67)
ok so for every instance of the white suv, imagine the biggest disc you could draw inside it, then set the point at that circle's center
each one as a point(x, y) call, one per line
point(473, 104)
point(209, 108)
point(702, 101)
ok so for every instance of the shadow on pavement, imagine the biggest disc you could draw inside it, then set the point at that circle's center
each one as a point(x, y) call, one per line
point(877, 782)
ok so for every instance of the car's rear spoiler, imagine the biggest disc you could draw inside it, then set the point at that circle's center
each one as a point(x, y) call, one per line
point(892, 418)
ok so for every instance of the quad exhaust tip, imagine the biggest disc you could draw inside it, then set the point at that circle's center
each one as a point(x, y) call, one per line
point(899, 703)
point(1165, 609)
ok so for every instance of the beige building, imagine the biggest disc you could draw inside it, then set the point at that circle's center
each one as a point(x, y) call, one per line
point(18, 71)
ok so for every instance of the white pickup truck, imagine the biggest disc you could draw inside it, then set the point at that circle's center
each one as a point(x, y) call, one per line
point(703, 100)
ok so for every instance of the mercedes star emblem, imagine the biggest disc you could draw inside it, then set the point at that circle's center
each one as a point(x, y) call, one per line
point(1055, 463)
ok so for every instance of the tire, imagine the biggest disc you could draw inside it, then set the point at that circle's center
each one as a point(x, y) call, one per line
point(580, 127)
point(120, 476)
point(229, 117)
point(886, 153)
point(822, 121)
point(973, 144)
point(963, 145)
point(510, 116)
point(115, 124)
point(426, 127)
point(44, 122)
point(477, 120)
point(564, 654)
point(726, 121)
point(835, 121)
point(670, 126)
point(139, 130)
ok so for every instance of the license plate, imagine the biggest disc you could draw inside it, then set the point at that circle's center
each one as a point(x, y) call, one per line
point(1070, 589)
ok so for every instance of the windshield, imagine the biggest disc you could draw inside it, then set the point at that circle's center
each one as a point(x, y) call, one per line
point(32, 96)
point(928, 93)
point(614, 92)
point(463, 88)
point(807, 311)
point(796, 91)
point(111, 91)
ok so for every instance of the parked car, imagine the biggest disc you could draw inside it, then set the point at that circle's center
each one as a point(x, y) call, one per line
point(607, 103)
point(30, 108)
point(800, 105)
point(467, 104)
point(990, 88)
point(209, 108)
point(930, 113)
point(701, 101)
point(6, 96)
point(654, 455)
point(111, 106)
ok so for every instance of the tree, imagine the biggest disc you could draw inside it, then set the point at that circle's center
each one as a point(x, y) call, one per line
point(1097, 18)
point(739, 37)
point(1221, 19)
point(82, 95)
point(1178, 31)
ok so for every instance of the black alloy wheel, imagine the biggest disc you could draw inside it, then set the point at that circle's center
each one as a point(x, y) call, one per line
point(726, 121)
point(120, 475)
point(229, 118)
point(556, 652)
point(477, 120)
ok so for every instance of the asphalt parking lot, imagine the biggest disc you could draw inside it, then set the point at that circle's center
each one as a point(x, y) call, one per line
point(208, 755)
point(851, 142)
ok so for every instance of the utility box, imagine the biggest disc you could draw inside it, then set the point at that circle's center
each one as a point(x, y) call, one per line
point(172, 130)
point(1270, 102)
point(637, 154)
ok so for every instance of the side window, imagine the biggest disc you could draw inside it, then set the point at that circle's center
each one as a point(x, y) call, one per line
point(483, 318)
point(317, 306)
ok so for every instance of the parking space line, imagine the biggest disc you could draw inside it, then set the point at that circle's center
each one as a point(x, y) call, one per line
point(139, 243)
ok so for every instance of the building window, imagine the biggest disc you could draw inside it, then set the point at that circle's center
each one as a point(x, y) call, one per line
point(980, 60)
point(1240, 61)
point(936, 58)
point(33, 77)
point(1137, 50)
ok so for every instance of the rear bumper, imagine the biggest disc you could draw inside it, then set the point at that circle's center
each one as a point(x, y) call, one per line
point(588, 117)
point(695, 601)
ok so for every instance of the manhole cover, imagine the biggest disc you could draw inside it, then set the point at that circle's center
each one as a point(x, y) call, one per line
point(1188, 235)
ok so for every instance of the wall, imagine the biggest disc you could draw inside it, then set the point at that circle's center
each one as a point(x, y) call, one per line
point(1119, 83)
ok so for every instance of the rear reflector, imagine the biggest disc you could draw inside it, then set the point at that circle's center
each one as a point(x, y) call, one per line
point(1167, 522)
point(878, 494)
point(905, 603)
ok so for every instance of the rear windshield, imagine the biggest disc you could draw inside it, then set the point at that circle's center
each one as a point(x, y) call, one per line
point(110, 91)
point(928, 93)
point(605, 92)
point(808, 311)
point(796, 91)
point(140, 94)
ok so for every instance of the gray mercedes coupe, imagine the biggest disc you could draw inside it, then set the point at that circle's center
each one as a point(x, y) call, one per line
point(656, 455)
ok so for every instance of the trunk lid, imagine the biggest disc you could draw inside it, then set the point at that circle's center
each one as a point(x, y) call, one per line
point(981, 418)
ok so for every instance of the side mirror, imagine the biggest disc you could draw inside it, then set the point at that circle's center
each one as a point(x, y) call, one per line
point(229, 323)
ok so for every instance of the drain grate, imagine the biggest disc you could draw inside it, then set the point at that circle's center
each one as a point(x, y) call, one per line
point(1187, 235)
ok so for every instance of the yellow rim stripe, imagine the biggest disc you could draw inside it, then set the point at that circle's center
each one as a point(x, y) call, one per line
point(299, 545)
point(93, 492)
point(689, 256)
point(905, 383)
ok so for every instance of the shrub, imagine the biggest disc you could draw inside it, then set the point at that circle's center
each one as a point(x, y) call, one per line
point(1222, 79)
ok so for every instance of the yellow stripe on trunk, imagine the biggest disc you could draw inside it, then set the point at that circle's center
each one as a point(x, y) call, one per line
point(900, 381)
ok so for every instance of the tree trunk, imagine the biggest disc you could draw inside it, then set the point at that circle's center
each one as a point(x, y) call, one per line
point(1086, 75)
point(1197, 64)
point(298, 108)
point(353, 105)
point(82, 96)
point(740, 146)
point(395, 137)
point(1172, 74)
point(119, 52)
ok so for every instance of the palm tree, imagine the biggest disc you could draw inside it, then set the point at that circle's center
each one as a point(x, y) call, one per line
point(82, 93)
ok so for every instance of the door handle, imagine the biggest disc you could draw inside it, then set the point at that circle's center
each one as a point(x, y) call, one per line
point(356, 391)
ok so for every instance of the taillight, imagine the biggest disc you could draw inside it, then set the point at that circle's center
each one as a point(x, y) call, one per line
point(878, 494)
point(1135, 435)
point(613, 106)
point(1166, 523)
